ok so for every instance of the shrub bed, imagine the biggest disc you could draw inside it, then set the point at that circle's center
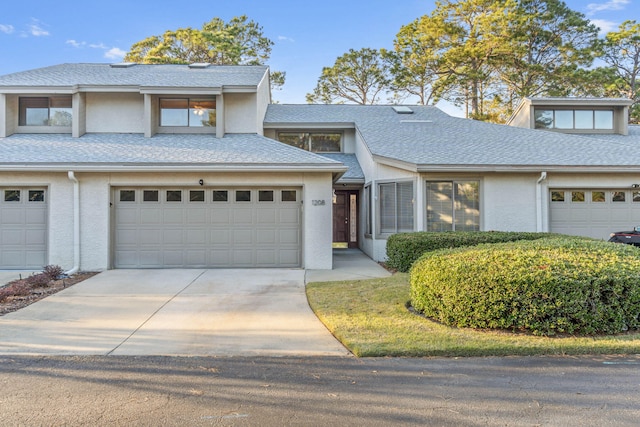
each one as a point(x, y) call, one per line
point(403, 249)
point(545, 287)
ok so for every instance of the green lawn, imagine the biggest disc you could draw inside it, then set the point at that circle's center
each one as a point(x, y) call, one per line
point(371, 319)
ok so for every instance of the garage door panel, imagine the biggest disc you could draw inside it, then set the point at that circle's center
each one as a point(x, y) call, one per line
point(35, 238)
point(174, 216)
point(173, 237)
point(11, 237)
point(127, 216)
point(243, 216)
point(265, 257)
point(290, 216)
point(196, 216)
point(595, 217)
point(150, 216)
point(35, 258)
point(289, 237)
point(37, 216)
point(221, 237)
point(266, 217)
point(150, 258)
point(220, 216)
point(208, 231)
point(242, 237)
point(13, 216)
point(266, 237)
point(197, 236)
point(146, 237)
point(288, 258)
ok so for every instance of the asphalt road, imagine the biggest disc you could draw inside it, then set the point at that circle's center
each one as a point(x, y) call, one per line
point(319, 391)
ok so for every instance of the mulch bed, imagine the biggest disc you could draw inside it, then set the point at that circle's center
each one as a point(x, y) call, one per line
point(15, 303)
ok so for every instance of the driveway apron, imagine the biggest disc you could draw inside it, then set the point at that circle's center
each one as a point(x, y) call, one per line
point(173, 312)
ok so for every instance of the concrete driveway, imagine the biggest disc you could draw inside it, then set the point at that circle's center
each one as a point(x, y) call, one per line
point(173, 312)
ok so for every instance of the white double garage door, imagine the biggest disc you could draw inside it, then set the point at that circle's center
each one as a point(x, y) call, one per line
point(594, 212)
point(206, 227)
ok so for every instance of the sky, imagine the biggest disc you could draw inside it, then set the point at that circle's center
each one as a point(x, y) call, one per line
point(307, 35)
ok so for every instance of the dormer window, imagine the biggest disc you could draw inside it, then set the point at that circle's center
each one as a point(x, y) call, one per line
point(318, 142)
point(45, 111)
point(566, 119)
point(185, 112)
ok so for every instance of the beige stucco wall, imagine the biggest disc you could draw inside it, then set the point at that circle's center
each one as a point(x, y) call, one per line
point(508, 202)
point(115, 112)
point(96, 197)
point(240, 113)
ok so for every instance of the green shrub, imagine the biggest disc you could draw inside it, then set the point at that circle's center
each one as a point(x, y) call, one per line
point(403, 249)
point(546, 286)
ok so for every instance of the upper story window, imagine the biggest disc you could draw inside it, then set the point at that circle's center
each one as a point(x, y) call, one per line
point(564, 119)
point(184, 112)
point(318, 142)
point(45, 111)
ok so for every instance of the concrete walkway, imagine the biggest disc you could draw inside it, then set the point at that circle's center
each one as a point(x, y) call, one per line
point(245, 312)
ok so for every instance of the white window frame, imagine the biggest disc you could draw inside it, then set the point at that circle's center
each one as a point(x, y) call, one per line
point(379, 208)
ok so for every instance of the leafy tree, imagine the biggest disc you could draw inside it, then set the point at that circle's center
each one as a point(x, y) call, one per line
point(358, 76)
point(621, 51)
point(415, 60)
point(238, 42)
point(548, 44)
point(469, 36)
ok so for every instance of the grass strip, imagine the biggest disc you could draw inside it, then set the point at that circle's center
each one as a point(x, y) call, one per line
point(370, 317)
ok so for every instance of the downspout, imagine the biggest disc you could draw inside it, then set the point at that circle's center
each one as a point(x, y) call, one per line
point(539, 202)
point(76, 224)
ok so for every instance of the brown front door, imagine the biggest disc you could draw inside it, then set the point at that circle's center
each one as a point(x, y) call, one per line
point(345, 214)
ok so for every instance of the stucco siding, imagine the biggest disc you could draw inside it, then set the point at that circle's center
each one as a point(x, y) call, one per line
point(115, 112)
point(508, 202)
point(240, 113)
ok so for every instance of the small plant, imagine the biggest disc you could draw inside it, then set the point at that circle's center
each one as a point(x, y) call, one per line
point(39, 280)
point(53, 272)
point(14, 289)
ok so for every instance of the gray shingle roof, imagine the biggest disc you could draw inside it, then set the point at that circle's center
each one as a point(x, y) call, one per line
point(430, 137)
point(354, 174)
point(157, 75)
point(233, 151)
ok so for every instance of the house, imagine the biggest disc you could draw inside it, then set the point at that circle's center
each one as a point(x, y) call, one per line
point(172, 166)
point(164, 166)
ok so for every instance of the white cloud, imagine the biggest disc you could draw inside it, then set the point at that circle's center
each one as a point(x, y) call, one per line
point(75, 43)
point(604, 25)
point(110, 52)
point(285, 38)
point(7, 29)
point(35, 29)
point(115, 53)
point(593, 8)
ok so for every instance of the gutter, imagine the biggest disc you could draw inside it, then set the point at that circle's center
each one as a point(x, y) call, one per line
point(539, 202)
point(76, 223)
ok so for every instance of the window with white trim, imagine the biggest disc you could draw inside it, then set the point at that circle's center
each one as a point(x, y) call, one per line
point(453, 206)
point(184, 112)
point(45, 111)
point(395, 207)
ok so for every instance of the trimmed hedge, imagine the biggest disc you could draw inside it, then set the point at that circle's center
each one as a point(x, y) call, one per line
point(545, 287)
point(403, 249)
